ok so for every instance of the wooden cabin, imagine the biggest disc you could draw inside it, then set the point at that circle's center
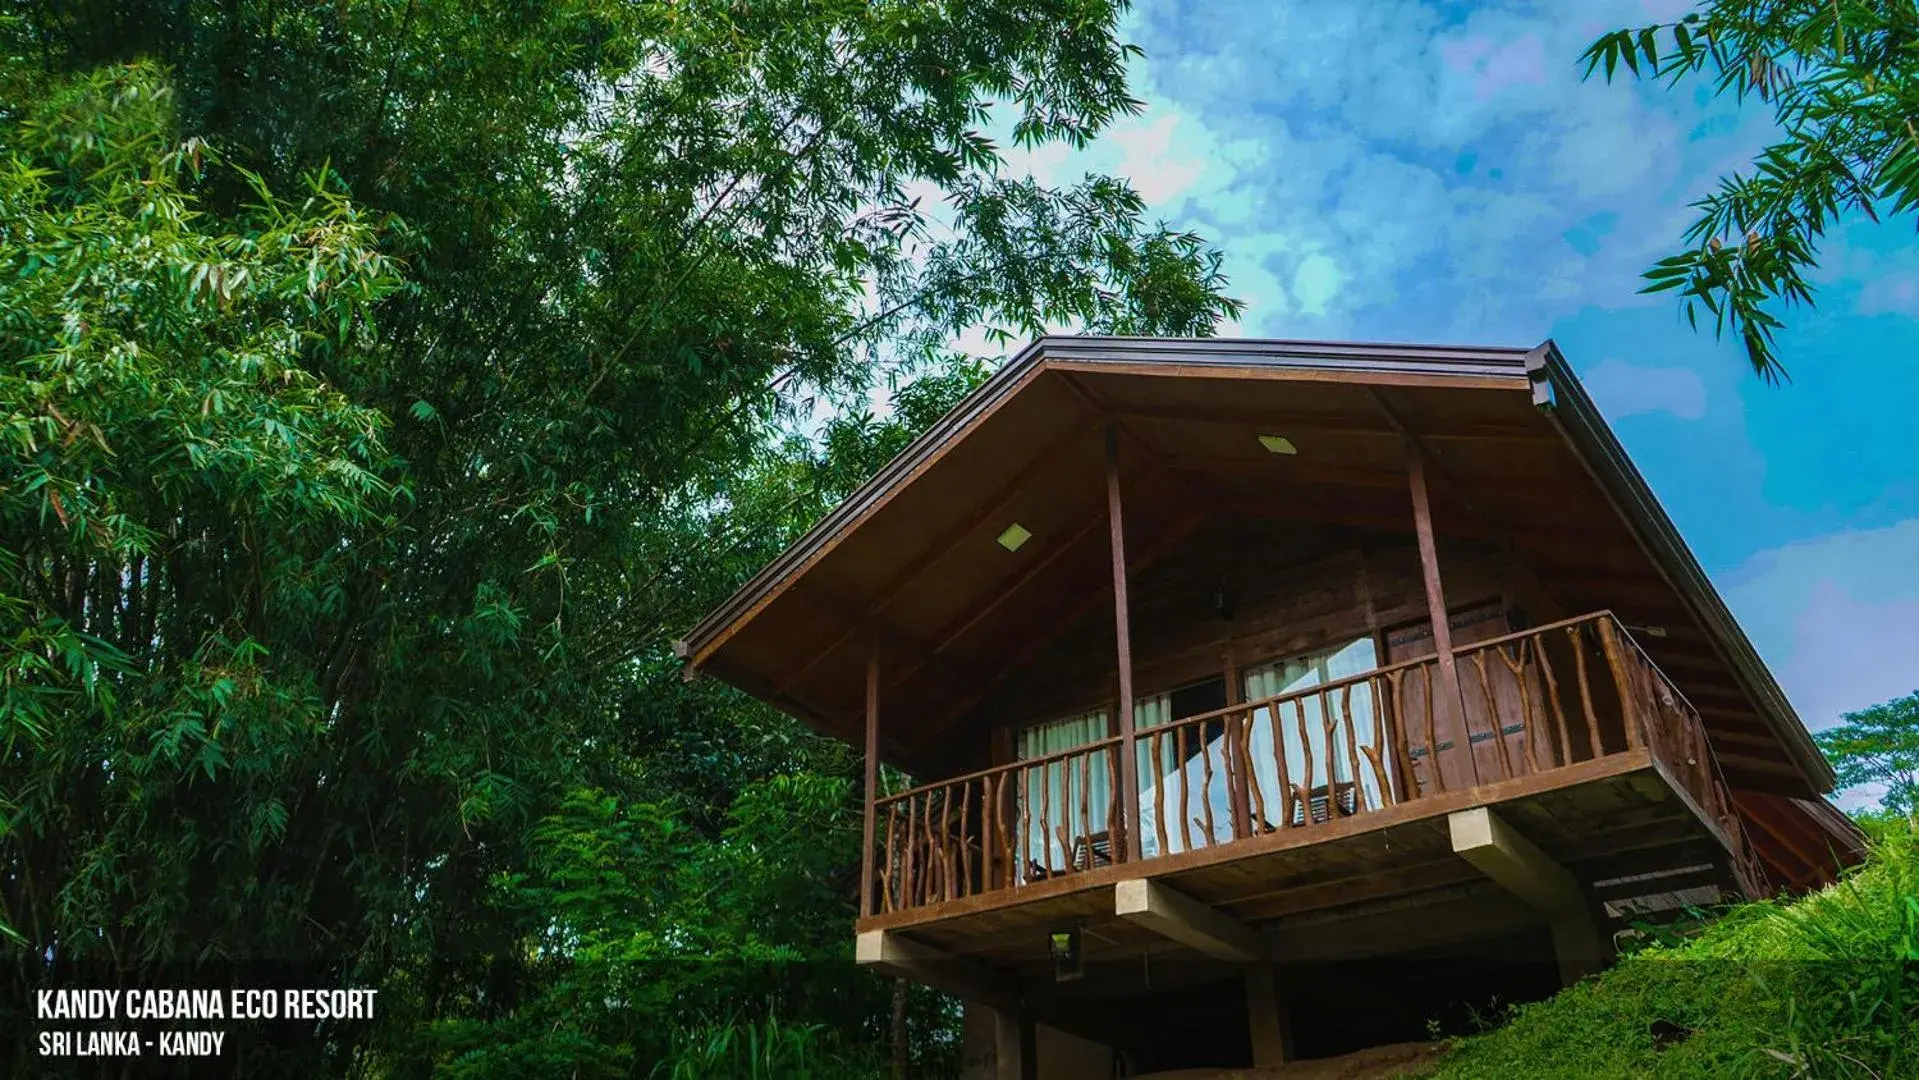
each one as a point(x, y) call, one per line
point(1229, 701)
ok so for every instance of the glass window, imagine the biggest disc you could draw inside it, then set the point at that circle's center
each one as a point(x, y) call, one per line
point(1316, 757)
point(1061, 796)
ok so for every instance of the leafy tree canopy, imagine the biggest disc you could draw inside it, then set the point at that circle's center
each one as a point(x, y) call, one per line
point(1842, 80)
point(385, 384)
point(1879, 745)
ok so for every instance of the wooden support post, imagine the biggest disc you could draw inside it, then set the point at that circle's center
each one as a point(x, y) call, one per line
point(1266, 1017)
point(892, 954)
point(1187, 921)
point(1480, 837)
point(1451, 700)
point(872, 775)
point(1129, 754)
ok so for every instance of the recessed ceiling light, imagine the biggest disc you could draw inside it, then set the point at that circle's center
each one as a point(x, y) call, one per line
point(1278, 444)
point(1015, 535)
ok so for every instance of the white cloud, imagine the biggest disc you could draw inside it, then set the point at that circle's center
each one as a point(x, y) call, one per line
point(1836, 616)
point(1161, 168)
point(1891, 294)
point(1623, 389)
point(1440, 163)
point(1315, 282)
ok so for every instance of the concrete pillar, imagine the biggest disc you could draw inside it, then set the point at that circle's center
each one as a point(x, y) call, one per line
point(979, 1046)
point(1017, 1045)
point(1579, 945)
point(1266, 1017)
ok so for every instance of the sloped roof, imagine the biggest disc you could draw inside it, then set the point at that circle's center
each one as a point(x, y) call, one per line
point(1523, 454)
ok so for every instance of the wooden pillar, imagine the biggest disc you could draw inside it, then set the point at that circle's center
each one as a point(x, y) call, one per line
point(1266, 1017)
point(1451, 700)
point(1129, 755)
point(872, 774)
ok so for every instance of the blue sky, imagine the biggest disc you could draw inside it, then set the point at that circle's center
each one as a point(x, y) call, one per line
point(1435, 171)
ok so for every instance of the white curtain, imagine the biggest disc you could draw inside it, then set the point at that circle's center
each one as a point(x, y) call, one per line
point(1065, 781)
point(1301, 673)
point(1192, 791)
point(1151, 713)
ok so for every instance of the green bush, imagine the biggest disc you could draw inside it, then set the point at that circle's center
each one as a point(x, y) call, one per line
point(767, 1050)
point(1826, 985)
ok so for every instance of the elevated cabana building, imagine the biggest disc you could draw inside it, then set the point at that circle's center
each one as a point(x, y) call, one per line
point(1265, 699)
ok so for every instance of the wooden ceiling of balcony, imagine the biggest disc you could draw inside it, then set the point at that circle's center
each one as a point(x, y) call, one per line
point(913, 558)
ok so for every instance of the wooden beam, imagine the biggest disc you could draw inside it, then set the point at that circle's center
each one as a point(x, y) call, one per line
point(1474, 911)
point(954, 673)
point(1067, 620)
point(1288, 470)
point(940, 546)
point(1187, 921)
point(1290, 503)
point(1421, 449)
point(1194, 492)
point(1716, 715)
point(872, 775)
point(1122, 621)
point(1675, 881)
point(1675, 660)
point(958, 627)
point(891, 953)
point(1483, 839)
point(1765, 740)
point(1282, 423)
point(1453, 701)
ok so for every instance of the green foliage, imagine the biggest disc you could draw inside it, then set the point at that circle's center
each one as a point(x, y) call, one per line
point(1842, 80)
point(1879, 745)
point(1824, 986)
point(765, 1051)
point(345, 534)
point(163, 431)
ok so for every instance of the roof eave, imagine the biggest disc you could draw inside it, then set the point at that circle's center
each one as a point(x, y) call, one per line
point(1453, 362)
point(1558, 394)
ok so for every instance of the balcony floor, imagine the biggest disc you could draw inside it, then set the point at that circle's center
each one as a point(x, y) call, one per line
point(1617, 815)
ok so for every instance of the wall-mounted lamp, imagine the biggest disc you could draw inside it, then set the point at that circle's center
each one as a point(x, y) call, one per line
point(1063, 945)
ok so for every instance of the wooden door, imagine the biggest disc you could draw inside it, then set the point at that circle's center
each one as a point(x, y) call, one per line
point(1495, 695)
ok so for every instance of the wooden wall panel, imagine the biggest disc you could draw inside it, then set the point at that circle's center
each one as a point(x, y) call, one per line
point(1287, 587)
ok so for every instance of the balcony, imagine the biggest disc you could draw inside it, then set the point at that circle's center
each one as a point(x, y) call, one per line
point(1322, 795)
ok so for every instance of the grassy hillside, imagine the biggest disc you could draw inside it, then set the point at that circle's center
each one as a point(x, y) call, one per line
point(1825, 985)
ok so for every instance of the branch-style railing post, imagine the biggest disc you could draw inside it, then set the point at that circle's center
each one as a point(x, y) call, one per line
point(1039, 817)
point(1631, 716)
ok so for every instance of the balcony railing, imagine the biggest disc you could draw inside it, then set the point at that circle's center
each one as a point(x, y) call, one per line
point(1530, 702)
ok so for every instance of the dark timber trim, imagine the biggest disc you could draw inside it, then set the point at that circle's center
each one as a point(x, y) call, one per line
point(872, 774)
point(1558, 394)
point(1122, 620)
